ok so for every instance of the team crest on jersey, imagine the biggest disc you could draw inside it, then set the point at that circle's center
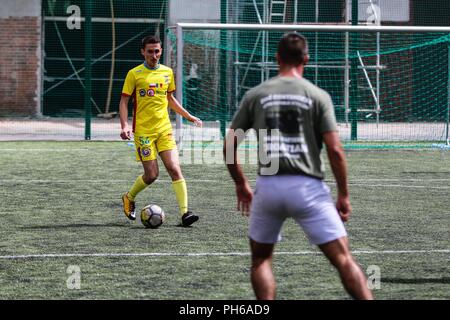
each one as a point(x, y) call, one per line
point(150, 92)
point(145, 152)
point(142, 92)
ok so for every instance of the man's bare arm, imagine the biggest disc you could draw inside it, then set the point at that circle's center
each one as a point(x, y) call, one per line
point(243, 190)
point(230, 156)
point(338, 164)
point(125, 132)
point(178, 108)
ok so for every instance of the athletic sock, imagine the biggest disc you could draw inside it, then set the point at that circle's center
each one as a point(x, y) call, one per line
point(137, 187)
point(180, 189)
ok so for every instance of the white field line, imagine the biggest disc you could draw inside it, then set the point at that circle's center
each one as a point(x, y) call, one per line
point(197, 180)
point(205, 254)
point(130, 148)
point(359, 183)
point(48, 150)
point(396, 186)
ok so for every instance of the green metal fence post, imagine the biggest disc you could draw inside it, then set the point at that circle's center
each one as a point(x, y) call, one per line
point(448, 93)
point(88, 71)
point(354, 75)
point(223, 99)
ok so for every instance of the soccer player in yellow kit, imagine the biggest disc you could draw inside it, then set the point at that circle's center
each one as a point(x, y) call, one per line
point(151, 85)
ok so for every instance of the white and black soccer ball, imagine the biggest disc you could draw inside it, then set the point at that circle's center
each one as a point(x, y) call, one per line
point(152, 216)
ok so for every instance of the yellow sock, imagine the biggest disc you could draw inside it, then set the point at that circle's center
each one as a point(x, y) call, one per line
point(180, 189)
point(137, 187)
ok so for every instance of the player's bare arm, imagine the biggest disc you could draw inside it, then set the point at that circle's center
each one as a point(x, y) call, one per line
point(243, 190)
point(125, 132)
point(338, 164)
point(178, 108)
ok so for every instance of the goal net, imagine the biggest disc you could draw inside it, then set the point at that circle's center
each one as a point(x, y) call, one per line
point(389, 87)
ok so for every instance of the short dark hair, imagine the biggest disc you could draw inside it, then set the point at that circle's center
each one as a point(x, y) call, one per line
point(292, 49)
point(150, 39)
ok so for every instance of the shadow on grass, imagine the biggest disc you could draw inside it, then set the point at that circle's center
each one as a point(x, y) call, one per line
point(166, 225)
point(76, 225)
point(444, 280)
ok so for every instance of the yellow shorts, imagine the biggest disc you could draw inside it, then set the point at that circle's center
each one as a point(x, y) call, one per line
point(148, 146)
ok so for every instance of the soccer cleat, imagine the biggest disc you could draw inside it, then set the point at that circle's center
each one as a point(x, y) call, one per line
point(129, 208)
point(188, 218)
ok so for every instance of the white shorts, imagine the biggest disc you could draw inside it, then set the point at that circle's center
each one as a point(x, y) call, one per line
point(305, 199)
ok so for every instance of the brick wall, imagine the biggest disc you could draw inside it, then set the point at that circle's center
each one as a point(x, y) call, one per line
point(20, 50)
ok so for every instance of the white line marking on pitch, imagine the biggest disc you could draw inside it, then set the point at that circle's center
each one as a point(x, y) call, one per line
point(204, 254)
point(395, 186)
point(51, 150)
point(131, 148)
point(351, 183)
point(397, 179)
point(193, 180)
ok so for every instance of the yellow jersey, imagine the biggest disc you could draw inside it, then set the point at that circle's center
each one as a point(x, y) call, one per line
point(149, 88)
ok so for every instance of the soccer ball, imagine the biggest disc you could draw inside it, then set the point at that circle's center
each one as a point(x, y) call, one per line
point(152, 216)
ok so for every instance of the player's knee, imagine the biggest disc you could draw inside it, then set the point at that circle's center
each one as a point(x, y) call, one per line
point(261, 256)
point(150, 177)
point(343, 261)
point(175, 173)
point(261, 261)
point(261, 252)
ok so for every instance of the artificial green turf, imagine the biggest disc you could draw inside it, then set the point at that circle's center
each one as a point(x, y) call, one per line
point(65, 197)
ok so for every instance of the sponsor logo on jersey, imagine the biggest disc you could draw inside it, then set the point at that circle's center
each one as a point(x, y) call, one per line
point(144, 140)
point(150, 92)
point(153, 85)
point(142, 92)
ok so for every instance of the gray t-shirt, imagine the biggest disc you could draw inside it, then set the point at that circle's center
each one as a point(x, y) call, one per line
point(300, 113)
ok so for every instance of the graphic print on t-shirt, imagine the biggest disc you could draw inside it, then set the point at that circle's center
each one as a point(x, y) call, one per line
point(284, 120)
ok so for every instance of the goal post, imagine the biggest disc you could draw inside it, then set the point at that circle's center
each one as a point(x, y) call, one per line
point(448, 97)
point(401, 76)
